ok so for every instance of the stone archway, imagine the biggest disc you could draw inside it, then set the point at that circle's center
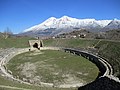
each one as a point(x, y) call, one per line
point(35, 45)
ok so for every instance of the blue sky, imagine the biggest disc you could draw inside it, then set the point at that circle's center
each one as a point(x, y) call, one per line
point(19, 15)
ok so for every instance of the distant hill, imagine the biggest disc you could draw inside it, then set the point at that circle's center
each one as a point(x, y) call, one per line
point(111, 34)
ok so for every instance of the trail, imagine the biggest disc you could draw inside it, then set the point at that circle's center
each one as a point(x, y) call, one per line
point(16, 88)
point(96, 43)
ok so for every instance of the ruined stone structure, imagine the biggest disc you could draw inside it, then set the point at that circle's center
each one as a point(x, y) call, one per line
point(35, 44)
point(105, 81)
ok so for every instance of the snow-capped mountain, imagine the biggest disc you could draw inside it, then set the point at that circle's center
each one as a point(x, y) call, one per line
point(54, 26)
point(114, 24)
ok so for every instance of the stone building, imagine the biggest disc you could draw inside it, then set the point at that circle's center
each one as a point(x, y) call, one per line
point(35, 44)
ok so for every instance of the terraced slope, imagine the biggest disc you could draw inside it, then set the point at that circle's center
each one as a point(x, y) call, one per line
point(75, 43)
point(110, 51)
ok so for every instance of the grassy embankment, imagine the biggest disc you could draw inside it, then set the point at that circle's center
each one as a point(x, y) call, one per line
point(72, 43)
point(17, 42)
point(110, 51)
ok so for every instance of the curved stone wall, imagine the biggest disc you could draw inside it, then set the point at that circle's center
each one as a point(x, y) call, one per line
point(104, 67)
point(5, 56)
point(106, 80)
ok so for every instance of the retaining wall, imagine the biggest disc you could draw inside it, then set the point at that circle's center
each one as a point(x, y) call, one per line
point(95, 59)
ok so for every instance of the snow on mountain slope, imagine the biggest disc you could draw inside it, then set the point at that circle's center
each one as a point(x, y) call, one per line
point(46, 24)
point(66, 24)
point(103, 23)
point(114, 24)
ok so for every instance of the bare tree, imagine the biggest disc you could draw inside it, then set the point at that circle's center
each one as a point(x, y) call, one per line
point(7, 33)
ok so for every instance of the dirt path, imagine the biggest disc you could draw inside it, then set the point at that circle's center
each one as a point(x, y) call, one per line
point(16, 88)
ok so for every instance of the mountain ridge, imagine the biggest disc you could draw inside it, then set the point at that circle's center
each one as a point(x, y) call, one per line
point(55, 26)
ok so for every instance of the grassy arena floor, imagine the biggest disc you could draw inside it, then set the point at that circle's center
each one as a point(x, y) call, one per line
point(55, 67)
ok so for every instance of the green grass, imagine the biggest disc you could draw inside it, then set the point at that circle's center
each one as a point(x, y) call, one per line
point(76, 43)
point(51, 62)
point(17, 42)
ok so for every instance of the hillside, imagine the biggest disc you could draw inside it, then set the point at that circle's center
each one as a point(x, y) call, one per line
point(83, 33)
point(14, 41)
point(110, 51)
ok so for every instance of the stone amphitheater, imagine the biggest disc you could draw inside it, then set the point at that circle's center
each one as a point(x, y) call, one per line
point(105, 81)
